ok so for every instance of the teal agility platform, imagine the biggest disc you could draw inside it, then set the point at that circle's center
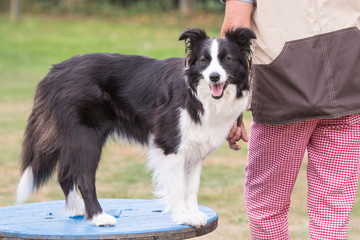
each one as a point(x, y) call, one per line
point(136, 219)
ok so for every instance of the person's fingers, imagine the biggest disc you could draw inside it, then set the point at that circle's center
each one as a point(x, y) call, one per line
point(232, 131)
point(244, 135)
point(234, 146)
point(236, 133)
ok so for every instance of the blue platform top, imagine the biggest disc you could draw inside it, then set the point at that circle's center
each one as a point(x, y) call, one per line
point(136, 218)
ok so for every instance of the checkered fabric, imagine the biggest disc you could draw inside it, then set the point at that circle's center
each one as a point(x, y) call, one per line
point(274, 159)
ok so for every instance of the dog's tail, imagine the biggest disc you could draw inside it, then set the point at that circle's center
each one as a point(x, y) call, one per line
point(39, 151)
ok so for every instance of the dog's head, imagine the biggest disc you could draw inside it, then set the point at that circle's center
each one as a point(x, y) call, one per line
point(218, 61)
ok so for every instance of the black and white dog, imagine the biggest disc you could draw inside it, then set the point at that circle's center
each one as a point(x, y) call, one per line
point(181, 108)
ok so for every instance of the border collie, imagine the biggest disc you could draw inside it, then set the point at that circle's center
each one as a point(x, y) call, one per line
point(180, 108)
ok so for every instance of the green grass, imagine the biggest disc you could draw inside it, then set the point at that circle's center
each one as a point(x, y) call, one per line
point(27, 50)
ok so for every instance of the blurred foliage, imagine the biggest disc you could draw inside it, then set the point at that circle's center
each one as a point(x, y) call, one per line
point(112, 7)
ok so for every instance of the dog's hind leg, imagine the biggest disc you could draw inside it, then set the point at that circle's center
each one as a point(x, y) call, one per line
point(86, 184)
point(78, 165)
point(93, 210)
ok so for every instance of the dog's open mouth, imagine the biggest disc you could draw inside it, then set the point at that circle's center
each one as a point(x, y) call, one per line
point(217, 90)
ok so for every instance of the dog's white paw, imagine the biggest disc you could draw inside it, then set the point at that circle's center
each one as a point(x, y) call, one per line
point(103, 220)
point(195, 219)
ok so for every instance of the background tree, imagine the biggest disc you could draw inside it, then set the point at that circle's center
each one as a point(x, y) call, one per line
point(15, 10)
point(185, 6)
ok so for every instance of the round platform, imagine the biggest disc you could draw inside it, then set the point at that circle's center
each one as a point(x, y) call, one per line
point(136, 219)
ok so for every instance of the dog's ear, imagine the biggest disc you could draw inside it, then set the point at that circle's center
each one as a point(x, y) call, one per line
point(192, 37)
point(242, 37)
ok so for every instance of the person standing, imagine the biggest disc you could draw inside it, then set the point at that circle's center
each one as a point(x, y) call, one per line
point(305, 96)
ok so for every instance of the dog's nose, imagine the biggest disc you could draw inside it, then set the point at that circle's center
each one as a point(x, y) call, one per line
point(214, 77)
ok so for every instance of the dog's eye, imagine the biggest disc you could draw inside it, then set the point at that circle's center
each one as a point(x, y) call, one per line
point(227, 59)
point(204, 60)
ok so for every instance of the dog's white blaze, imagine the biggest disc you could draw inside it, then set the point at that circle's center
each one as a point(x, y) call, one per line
point(25, 187)
point(74, 204)
point(214, 66)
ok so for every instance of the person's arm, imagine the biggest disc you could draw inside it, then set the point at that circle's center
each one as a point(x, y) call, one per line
point(237, 14)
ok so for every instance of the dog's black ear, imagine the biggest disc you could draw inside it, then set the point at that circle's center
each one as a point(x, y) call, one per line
point(192, 37)
point(242, 37)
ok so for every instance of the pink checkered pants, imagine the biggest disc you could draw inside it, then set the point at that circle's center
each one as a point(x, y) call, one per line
point(274, 159)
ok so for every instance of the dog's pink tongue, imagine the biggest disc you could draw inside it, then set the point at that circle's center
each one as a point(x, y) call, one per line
point(216, 89)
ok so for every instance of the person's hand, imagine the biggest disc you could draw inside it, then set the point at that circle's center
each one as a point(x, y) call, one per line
point(236, 133)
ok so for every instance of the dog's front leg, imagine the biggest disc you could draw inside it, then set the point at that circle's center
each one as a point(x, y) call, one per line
point(174, 182)
point(192, 181)
point(169, 173)
point(183, 187)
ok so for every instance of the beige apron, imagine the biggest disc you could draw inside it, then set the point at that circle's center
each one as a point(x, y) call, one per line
point(306, 60)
